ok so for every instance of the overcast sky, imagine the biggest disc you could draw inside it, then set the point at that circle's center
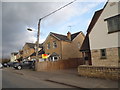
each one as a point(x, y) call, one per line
point(18, 16)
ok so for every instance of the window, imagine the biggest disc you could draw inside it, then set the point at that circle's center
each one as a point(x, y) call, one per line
point(113, 24)
point(55, 58)
point(119, 52)
point(103, 53)
point(48, 45)
point(79, 45)
point(54, 44)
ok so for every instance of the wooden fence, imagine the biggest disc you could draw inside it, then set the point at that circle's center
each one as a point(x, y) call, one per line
point(58, 65)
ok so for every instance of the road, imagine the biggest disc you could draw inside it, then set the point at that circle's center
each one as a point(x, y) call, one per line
point(18, 80)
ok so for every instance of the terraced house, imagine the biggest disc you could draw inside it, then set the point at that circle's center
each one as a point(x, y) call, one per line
point(63, 46)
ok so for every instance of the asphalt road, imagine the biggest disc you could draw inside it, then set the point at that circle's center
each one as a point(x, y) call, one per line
point(17, 80)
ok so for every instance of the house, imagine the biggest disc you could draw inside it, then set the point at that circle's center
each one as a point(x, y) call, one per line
point(13, 56)
point(102, 36)
point(29, 50)
point(40, 52)
point(19, 56)
point(85, 48)
point(62, 47)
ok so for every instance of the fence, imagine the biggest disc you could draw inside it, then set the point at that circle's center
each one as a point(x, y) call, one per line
point(58, 65)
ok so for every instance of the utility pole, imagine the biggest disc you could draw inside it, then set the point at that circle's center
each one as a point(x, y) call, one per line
point(38, 34)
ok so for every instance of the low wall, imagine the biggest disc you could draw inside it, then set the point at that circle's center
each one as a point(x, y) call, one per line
point(100, 72)
point(58, 65)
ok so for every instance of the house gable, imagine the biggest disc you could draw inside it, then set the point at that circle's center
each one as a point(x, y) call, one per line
point(86, 46)
point(99, 37)
point(77, 35)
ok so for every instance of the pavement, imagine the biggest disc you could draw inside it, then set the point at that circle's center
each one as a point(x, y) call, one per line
point(68, 77)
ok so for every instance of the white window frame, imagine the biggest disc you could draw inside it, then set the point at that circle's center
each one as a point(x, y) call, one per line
point(54, 44)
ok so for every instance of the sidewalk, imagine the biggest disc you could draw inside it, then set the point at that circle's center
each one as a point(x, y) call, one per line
point(70, 77)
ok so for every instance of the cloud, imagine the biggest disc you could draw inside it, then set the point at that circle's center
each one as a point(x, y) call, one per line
point(17, 16)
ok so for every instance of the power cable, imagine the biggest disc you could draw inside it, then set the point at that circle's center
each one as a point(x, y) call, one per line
point(58, 9)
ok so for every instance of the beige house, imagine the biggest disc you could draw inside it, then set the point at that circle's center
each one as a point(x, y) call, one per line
point(29, 50)
point(63, 46)
point(13, 56)
point(103, 36)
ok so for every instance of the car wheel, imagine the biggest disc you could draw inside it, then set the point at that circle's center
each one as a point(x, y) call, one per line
point(19, 67)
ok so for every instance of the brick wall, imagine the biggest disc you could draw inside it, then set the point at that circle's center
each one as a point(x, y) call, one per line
point(112, 58)
point(100, 72)
point(58, 65)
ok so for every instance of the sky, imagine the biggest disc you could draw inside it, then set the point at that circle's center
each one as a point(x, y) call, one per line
point(18, 16)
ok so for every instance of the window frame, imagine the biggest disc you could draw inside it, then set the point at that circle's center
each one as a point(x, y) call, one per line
point(110, 20)
point(48, 45)
point(101, 54)
point(119, 53)
point(79, 45)
point(54, 43)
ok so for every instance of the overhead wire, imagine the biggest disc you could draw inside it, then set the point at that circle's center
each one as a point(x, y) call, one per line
point(57, 9)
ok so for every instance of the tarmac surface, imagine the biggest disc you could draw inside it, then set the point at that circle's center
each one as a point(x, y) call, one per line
point(68, 77)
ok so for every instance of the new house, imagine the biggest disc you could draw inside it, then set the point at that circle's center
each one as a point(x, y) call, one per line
point(29, 50)
point(102, 40)
point(60, 46)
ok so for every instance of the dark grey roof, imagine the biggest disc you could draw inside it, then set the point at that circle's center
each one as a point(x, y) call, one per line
point(74, 35)
point(15, 53)
point(39, 53)
point(54, 54)
point(64, 37)
point(32, 45)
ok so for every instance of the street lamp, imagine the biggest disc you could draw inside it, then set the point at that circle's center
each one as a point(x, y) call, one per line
point(29, 29)
point(37, 42)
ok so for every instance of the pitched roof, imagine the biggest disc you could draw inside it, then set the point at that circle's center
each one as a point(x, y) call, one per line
point(64, 37)
point(54, 54)
point(14, 53)
point(94, 20)
point(74, 35)
point(39, 53)
point(60, 36)
point(85, 45)
point(32, 45)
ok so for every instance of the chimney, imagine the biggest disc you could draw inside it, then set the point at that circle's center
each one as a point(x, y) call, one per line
point(69, 35)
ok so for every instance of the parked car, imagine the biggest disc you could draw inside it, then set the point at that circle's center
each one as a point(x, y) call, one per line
point(24, 64)
point(1, 65)
point(4, 65)
point(11, 64)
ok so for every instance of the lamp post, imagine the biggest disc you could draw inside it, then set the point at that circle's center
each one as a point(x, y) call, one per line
point(38, 35)
point(37, 43)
